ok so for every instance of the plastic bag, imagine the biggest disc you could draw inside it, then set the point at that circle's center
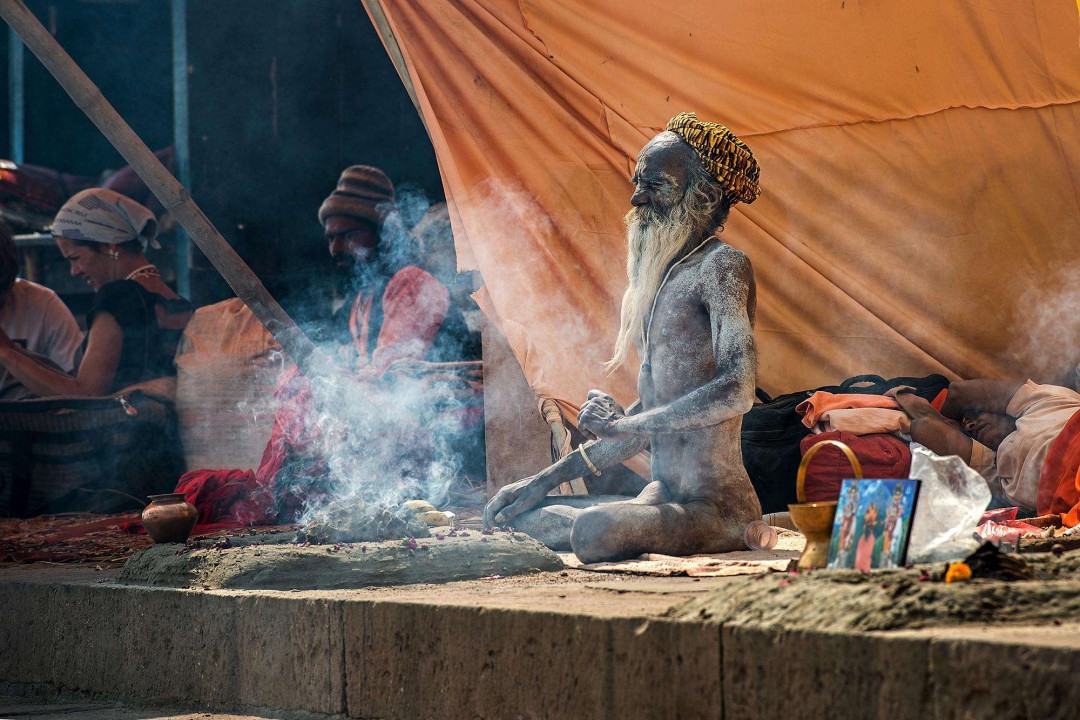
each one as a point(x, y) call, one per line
point(952, 498)
point(1000, 515)
point(1007, 532)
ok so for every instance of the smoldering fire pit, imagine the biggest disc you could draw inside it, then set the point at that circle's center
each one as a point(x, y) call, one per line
point(277, 562)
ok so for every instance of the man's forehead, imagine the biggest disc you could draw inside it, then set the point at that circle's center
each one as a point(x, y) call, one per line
point(343, 223)
point(664, 153)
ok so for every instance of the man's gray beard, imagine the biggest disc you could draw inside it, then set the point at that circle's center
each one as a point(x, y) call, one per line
point(355, 276)
point(655, 240)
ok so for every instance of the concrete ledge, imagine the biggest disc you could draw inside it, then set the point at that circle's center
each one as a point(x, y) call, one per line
point(1010, 673)
point(420, 661)
point(175, 646)
point(770, 673)
point(956, 673)
point(557, 646)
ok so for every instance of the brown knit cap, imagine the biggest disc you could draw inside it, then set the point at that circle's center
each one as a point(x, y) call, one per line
point(362, 192)
point(725, 157)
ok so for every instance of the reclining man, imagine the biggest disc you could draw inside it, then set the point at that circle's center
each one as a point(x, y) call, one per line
point(689, 308)
point(1003, 429)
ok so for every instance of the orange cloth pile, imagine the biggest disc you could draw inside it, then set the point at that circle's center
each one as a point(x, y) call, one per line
point(1059, 486)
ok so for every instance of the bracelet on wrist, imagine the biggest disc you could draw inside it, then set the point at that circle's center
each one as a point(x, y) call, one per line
point(588, 463)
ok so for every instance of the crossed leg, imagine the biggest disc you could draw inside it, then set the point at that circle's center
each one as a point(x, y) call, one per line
point(619, 531)
point(612, 527)
point(552, 522)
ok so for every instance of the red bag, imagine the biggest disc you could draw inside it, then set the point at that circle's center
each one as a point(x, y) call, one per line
point(882, 456)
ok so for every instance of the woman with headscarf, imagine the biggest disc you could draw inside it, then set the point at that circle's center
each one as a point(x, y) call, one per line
point(135, 321)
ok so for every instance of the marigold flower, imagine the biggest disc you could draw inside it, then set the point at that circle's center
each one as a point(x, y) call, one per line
point(958, 572)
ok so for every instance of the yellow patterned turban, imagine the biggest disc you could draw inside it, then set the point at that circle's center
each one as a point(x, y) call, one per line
point(725, 157)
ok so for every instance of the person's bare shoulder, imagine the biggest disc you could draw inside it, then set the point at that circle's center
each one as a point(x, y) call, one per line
point(723, 264)
point(727, 282)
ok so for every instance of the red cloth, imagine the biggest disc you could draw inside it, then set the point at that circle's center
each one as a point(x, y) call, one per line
point(882, 456)
point(237, 498)
point(225, 498)
point(1059, 483)
point(1008, 531)
point(414, 306)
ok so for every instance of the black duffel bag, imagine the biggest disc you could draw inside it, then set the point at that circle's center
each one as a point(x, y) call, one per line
point(772, 430)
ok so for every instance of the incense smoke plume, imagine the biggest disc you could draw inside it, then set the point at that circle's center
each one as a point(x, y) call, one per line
point(545, 270)
point(1046, 344)
point(376, 437)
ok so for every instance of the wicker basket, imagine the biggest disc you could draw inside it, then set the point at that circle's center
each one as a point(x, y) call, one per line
point(86, 454)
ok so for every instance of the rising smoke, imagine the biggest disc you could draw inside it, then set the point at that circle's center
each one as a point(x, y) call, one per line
point(371, 438)
point(545, 270)
point(1046, 344)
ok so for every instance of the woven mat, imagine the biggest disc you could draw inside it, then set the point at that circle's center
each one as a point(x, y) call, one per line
point(744, 562)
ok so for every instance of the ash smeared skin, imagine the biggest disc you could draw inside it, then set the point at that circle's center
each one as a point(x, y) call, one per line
point(694, 390)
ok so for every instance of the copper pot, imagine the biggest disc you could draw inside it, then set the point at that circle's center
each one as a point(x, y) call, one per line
point(169, 518)
point(815, 519)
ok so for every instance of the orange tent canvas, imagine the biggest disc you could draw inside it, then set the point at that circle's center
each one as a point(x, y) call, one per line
point(920, 209)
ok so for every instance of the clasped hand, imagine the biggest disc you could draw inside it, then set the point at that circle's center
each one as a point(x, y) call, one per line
point(602, 417)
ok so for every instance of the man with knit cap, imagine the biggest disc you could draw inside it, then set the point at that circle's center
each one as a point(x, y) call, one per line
point(392, 309)
point(352, 215)
point(688, 311)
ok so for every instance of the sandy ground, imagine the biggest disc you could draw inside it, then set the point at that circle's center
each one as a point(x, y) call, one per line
point(918, 597)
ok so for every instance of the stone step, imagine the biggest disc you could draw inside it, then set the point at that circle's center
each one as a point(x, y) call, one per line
point(17, 707)
point(557, 645)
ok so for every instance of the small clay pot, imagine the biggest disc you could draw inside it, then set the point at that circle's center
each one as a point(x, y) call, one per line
point(169, 518)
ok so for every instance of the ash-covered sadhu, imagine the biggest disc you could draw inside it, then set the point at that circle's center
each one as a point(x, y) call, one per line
point(689, 310)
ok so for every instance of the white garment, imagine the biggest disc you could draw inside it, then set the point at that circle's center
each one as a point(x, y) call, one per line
point(35, 318)
point(1041, 411)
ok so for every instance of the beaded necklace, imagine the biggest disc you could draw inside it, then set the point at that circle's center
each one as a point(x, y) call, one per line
point(645, 364)
point(144, 271)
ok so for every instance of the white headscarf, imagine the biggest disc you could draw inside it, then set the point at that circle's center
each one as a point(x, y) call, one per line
point(105, 216)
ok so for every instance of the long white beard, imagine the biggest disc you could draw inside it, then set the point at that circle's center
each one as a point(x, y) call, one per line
point(654, 241)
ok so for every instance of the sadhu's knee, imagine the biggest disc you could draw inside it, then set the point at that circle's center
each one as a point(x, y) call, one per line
point(596, 536)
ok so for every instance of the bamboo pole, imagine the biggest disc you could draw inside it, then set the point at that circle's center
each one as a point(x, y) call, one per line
point(173, 196)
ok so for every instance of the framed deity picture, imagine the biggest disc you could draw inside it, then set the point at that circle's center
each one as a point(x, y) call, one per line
point(873, 524)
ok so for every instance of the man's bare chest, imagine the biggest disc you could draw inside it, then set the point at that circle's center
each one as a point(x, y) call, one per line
point(678, 312)
point(677, 347)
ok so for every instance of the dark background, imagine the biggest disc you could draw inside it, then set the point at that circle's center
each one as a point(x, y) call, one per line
point(283, 95)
